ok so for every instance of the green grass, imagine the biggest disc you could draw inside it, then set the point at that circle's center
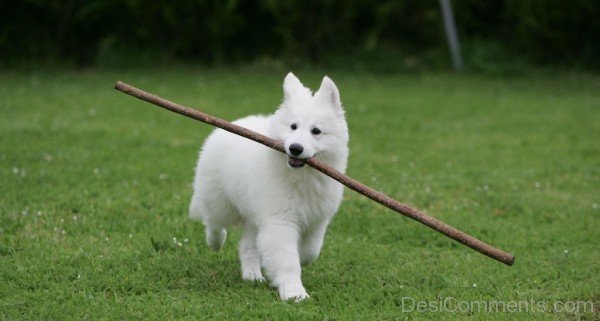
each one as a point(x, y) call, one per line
point(94, 187)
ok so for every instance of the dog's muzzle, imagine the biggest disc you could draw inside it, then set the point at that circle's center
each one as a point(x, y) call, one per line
point(295, 162)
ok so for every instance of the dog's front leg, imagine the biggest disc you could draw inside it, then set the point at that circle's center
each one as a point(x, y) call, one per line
point(311, 243)
point(278, 246)
point(249, 255)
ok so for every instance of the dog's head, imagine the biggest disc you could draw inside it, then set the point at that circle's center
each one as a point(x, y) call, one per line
point(311, 125)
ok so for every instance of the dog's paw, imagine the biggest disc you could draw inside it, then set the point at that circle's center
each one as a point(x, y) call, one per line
point(252, 273)
point(254, 277)
point(295, 293)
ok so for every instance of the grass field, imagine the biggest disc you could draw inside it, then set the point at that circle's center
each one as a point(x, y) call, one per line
point(94, 189)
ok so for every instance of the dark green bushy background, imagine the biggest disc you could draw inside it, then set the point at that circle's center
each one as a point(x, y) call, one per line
point(382, 35)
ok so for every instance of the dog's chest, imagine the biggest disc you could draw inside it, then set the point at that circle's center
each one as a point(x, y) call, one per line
point(314, 199)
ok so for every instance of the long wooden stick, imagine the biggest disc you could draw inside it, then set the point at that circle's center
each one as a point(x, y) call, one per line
point(380, 198)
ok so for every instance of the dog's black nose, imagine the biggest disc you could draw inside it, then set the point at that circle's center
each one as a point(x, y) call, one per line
point(296, 149)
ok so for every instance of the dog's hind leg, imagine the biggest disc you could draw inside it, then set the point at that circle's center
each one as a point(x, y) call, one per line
point(215, 237)
point(216, 214)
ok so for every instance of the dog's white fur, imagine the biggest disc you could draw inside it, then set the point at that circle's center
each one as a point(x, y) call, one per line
point(284, 211)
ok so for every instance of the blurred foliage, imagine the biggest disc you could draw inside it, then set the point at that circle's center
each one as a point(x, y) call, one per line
point(405, 34)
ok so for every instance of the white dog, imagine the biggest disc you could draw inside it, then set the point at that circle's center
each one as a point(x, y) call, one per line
point(283, 206)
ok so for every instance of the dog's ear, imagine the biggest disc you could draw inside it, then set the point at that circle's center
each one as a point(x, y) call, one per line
point(329, 93)
point(291, 85)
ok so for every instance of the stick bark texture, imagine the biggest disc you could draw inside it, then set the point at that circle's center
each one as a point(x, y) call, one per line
point(378, 197)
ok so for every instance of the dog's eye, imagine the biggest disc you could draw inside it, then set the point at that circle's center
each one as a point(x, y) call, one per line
point(315, 131)
point(294, 126)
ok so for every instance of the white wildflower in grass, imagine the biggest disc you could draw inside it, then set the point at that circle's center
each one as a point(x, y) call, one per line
point(537, 184)
point(162, 176)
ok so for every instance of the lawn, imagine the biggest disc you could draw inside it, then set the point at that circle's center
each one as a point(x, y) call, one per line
point(94, 189)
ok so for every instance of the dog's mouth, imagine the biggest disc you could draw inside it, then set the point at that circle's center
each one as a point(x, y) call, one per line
point(295, 162)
